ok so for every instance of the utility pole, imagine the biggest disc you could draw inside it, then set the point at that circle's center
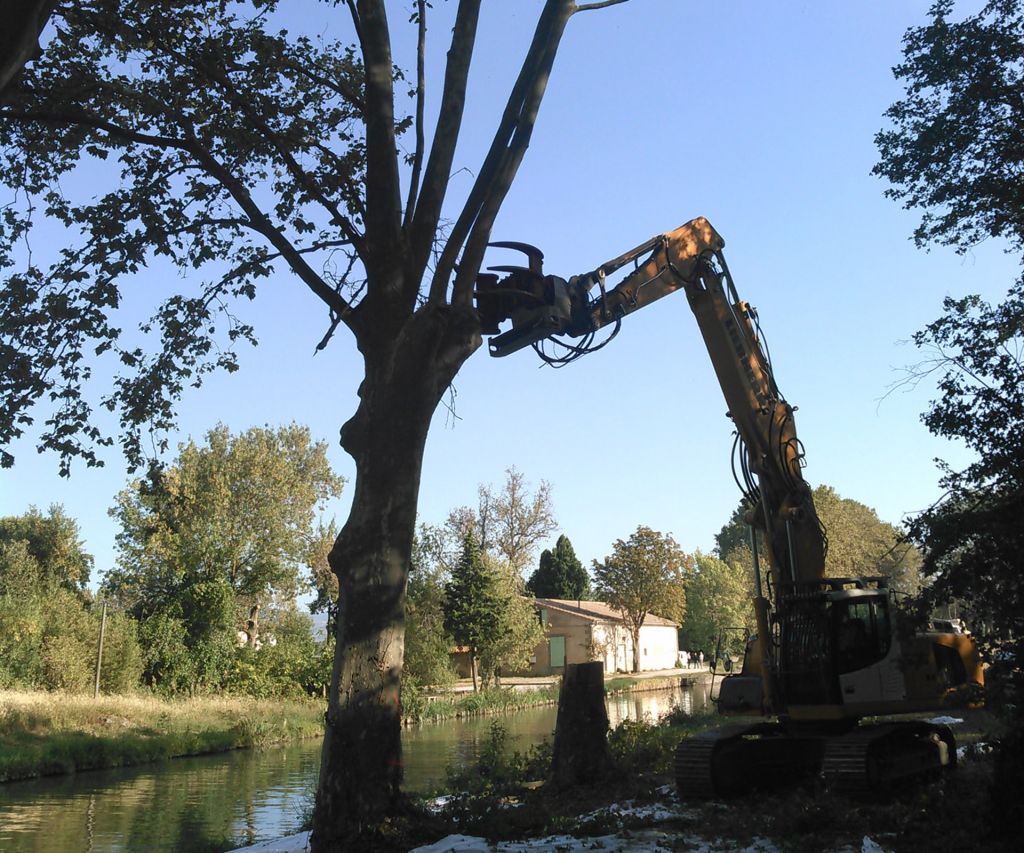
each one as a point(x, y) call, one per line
point(99, 653)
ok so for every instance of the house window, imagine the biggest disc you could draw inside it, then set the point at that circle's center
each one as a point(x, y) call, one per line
point(556, 652)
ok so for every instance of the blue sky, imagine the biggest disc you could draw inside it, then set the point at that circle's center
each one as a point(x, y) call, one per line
point(759, 116)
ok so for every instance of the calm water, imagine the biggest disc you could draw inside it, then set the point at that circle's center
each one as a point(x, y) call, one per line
point(219, 802)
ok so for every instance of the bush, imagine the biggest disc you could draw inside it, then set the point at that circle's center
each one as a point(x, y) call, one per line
point(496, 770)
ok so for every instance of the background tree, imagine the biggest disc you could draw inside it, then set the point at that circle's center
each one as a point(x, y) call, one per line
point(953, 151)
point(859, 542)
point(644, 574)
point(49, 630)
point(560, 574)
point(472, 601)
point(510, 523)
point(719, 594)
point(428, 644)
point(322, 580)
point(306, 176)
point(54, 542)
point(514, 633)
point(485, 611)
point(228, 528)
point(286, 661)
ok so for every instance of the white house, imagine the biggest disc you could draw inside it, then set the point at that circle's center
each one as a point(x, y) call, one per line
point(583, 631)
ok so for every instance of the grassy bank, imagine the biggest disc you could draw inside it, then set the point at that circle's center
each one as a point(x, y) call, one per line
point(505, 700)
point(501, 700)
point(49, 733)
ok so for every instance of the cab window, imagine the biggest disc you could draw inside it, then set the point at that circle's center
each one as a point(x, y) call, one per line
point(861, 633)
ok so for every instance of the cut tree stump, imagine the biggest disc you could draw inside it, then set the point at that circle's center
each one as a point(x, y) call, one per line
point(581, 754)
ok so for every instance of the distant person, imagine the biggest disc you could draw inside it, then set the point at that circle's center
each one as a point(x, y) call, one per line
point(686, 658)
point(700, 658)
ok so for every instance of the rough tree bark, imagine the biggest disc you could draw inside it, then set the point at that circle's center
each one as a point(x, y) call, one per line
point(580, 754)
point(361, 764)
point(23, 21)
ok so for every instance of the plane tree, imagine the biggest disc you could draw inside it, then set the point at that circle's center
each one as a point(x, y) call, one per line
point(203, 135)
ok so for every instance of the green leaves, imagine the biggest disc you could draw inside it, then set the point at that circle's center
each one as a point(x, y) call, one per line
point(191, 133)
point(954, 148)
point(645, 574)
point(973, 539)
point(955, 151)
point(231, 524)
point(560, 574)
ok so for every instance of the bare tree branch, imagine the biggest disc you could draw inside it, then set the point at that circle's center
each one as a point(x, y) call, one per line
point(604, 4)
point(449, 122)
point(421, 93)
point(383, 189)
point(503, 158)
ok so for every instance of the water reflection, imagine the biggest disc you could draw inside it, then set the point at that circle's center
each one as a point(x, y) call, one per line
point(215, 803)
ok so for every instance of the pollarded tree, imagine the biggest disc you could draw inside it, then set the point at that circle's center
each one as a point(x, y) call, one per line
point(233, 147)
point(560, 574)
point(644, 574)
point(19, 39)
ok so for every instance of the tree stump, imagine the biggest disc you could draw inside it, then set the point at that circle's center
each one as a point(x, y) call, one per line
point(581, 732)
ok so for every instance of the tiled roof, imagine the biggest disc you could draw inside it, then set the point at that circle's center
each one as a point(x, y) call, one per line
point(596, 611)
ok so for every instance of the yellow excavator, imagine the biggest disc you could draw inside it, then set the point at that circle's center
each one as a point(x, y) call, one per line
point(828, 651)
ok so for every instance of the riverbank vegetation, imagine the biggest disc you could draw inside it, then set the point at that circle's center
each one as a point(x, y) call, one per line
point(45, 733)
point(507, 795)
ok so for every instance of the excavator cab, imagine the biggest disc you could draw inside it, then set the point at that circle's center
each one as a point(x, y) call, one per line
point(830, 630)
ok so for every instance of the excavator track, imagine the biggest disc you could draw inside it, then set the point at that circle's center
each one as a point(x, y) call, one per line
point(730, 760)
point(872, 759)
point(866, 761)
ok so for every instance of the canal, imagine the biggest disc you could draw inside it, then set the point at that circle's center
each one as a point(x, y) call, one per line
point(214, 803)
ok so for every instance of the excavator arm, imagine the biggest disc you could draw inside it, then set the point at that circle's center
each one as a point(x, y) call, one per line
point(688, 259)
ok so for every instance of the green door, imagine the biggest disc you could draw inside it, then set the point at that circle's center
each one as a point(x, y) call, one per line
point(556, 652)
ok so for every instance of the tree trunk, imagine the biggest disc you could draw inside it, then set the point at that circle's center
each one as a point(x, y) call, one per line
point(636, 649)
point(472, 668)
point(19, 40)
point(361, 767)
point(580, 755)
